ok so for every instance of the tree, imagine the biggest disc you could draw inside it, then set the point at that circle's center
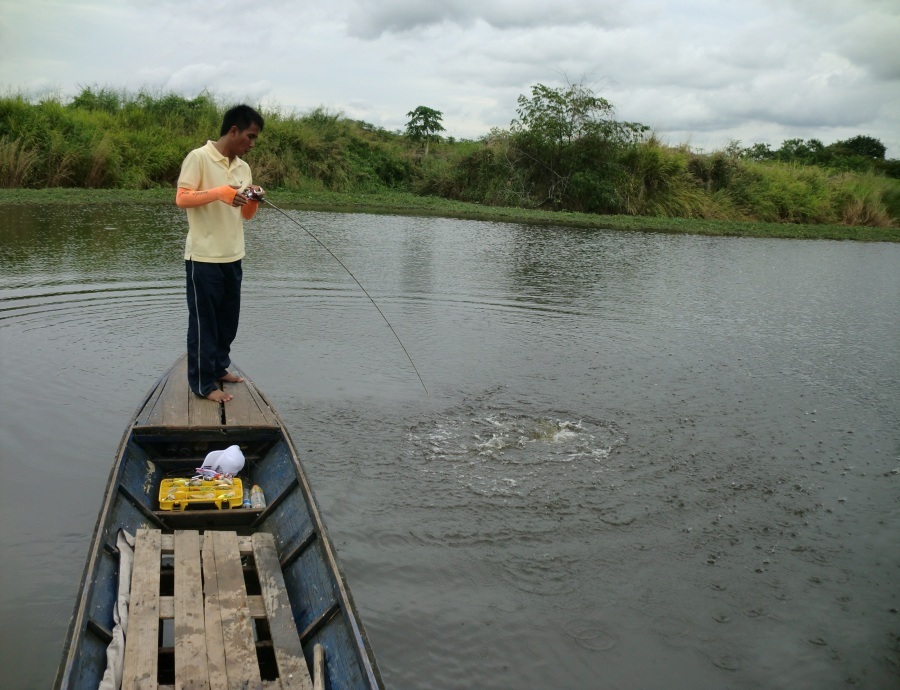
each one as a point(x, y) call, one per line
point(860, 145)
point(568, 114)
point(424, 125)
point(758, 152)
point(567, 136)
point(799, 151)
point(561, 115)
point(857, 153)
point(105, 100)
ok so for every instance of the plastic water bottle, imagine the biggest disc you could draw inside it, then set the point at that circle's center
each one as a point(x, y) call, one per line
point(257, 497)
point(247, 503)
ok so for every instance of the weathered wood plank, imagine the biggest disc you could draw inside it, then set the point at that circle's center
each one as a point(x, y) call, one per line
point(266, 411)
point(242, 409)
point(267, 685)
point(167, 543)
point(215, 649)
point(319, 667)
point(292, 668)
point(172, 407)
point(247, 408)
point(190, 638)
point(203, 412)
point(257, 411)
point(241, 663)
point(140, 665)
point(254, 604)
point(175, 405)
point(143, 416)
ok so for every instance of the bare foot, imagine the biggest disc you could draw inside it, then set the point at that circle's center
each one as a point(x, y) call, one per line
point(231, 378)
point(219, 396)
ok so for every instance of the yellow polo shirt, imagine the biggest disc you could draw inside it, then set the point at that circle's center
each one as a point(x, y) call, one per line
point(215, 230)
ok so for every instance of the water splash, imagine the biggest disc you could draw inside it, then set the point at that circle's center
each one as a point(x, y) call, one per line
point(505, 453)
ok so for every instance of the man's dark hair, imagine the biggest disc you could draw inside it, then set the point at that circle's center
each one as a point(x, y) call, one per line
point(241, 116)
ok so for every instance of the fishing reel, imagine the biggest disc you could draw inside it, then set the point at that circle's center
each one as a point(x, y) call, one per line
point(253, 195)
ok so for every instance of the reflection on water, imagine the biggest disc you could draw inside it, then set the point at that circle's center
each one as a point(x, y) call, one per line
point(641, 455)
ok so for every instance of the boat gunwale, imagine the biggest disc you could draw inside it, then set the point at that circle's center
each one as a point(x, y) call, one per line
point(77, 624)
point(133, 432)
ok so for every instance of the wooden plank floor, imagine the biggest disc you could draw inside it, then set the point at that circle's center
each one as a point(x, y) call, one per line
point(141, 655)
point(172, 404)
point(288, 652)
point(226, 605)
point(213, 614)
point(248, 407)
point(190, 631)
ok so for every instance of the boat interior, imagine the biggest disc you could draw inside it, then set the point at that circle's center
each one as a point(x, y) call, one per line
point(231, 553)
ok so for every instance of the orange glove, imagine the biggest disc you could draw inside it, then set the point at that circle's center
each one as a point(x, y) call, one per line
point(187, 198)
point(249, 209)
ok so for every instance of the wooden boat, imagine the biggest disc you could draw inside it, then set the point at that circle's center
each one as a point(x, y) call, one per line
point(271, 608)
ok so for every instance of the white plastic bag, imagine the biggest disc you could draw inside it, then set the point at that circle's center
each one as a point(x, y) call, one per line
point(228, 461)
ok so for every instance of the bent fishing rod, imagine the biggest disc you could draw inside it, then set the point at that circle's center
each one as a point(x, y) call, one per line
point(263, 199)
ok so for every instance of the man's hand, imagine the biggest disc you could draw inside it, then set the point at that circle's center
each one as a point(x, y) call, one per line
point(239, 199)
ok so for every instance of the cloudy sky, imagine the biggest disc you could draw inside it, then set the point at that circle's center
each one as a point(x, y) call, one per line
point(699, 72)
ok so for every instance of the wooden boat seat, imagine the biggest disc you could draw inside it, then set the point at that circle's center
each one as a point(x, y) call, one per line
point(215, 645)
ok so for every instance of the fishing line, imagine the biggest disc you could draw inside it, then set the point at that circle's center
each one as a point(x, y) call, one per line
point(350, 273)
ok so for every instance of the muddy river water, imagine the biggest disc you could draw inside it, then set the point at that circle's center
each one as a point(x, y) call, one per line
point(643, 461)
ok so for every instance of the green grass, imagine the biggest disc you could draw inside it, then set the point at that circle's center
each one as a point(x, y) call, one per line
point(131, 146)
point(405, 203)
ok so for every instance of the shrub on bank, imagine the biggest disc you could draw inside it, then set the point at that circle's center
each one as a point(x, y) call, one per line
point(110, 139)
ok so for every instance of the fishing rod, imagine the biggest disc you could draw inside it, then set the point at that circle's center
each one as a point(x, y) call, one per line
point(252, 195)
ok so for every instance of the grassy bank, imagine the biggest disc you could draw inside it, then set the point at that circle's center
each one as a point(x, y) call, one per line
point(563, 166)
point(404, 203)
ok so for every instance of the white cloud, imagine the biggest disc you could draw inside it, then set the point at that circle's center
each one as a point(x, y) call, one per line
point(373, 18)
point(703, 71)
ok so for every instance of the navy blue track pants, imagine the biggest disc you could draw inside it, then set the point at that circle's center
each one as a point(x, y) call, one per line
point(214, 307)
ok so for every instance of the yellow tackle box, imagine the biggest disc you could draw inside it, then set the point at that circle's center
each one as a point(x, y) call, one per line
point(179, 493)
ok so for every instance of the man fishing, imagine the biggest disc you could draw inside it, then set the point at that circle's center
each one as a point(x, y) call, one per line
point(215, 187)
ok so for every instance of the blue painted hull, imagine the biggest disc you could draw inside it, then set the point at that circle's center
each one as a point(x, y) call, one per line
point(159, 443)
